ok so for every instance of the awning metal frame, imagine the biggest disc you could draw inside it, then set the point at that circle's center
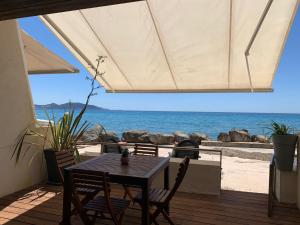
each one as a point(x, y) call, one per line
point(105, 48)
point(177, 90)
point(161, 44)
point(47, 21)
point(253, 37)
point(258, 90)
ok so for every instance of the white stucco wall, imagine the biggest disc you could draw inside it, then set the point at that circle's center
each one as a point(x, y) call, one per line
point(16, 112)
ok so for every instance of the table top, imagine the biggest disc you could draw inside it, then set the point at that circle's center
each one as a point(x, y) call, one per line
point(144, 167)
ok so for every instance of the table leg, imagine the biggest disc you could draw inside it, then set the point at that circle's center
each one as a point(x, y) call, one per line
point(166, 183)
point(145, 204)
point(67, 198)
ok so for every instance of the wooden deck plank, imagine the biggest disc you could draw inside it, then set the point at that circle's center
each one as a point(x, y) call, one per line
point(42, 205)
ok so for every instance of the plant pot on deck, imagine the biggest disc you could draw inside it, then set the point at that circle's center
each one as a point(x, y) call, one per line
point(284, 151)
point(53, 173)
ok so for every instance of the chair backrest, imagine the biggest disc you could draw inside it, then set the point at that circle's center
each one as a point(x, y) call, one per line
point(64, 159)
point(146, 149)
point(114, 148)
point(94, 180)
point(181, 153)
point(179, 178)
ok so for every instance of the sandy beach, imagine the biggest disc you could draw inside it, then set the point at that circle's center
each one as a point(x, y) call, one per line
point(243, 169)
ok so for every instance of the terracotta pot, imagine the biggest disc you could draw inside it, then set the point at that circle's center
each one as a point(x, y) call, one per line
point(124, 160)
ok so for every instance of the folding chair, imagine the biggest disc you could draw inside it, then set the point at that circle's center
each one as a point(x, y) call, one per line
point(160, 198)
point(102, 206)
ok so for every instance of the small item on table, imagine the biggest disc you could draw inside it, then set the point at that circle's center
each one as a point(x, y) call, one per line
point(124, 157)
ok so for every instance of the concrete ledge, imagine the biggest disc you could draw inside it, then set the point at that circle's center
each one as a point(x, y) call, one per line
point(286, 186)
point(237, 144)
point(202, 177)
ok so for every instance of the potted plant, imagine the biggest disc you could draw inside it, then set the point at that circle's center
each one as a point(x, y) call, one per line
point(62, 134)
point(284, 146)
point(124, 157)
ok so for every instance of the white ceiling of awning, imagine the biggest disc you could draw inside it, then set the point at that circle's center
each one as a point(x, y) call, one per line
point(42, 61)
point(179, 45)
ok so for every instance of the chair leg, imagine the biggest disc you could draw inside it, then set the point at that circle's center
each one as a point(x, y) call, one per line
point(88, 197)
point(85, 219)
point(154, 215)
point(153, 220)
point(127, 192)
point(167, 217)
point(85, 200)
point(94, 218)
point(121, 218)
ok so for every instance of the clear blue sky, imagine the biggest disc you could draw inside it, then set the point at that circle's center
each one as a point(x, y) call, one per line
point(63, 88)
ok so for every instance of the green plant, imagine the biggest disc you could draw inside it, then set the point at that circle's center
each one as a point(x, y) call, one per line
point(125, 152)
point(67, 130)
point(279, 129)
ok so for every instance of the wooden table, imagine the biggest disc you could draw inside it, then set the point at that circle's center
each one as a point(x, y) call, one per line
point(140, 172)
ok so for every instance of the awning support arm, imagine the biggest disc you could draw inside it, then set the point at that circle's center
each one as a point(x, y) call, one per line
point(253, 37)
point(229, 42)
point(162, 45)
point(110, 56)
point(46, 19)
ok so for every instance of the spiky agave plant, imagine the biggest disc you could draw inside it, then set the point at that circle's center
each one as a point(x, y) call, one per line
point(279, 129)
point(64, 132)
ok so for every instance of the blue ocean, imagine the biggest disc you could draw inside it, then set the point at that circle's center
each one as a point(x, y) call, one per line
point(211, 123)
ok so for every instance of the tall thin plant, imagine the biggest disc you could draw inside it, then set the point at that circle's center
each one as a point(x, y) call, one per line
point(66, 131)
point(279, 129)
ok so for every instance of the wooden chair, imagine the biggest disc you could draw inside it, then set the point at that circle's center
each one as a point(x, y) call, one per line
point(141, 149)
point(145, 149)
point(103, 206)
point(66, 159)
point(160, 198)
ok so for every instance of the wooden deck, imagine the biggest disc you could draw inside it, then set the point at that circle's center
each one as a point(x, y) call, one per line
point(42, 206)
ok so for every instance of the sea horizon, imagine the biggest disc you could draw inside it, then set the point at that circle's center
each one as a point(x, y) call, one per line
point(137, 110)
point(101, 108)
point(210, 123)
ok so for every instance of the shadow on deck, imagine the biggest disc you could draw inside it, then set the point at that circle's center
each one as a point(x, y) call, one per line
point(42, 205)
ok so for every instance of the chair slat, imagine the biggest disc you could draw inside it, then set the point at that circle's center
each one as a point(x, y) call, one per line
point(66, 159)
point(142, 149)
point(62, 156)
point(66, 164)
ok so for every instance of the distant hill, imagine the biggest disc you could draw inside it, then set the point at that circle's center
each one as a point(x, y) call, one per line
point(74, 105)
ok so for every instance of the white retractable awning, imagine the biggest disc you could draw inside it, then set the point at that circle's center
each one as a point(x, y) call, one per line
point(42, 61)
point(180, 45)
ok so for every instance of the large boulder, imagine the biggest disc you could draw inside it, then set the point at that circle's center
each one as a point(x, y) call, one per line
point(198, 137)
point(135, 136)
point(161, 139)
point(108, 136)
point(224, 137)
point(239, 136)
point(180, 136)
point(260, 139)
point(93, 134)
